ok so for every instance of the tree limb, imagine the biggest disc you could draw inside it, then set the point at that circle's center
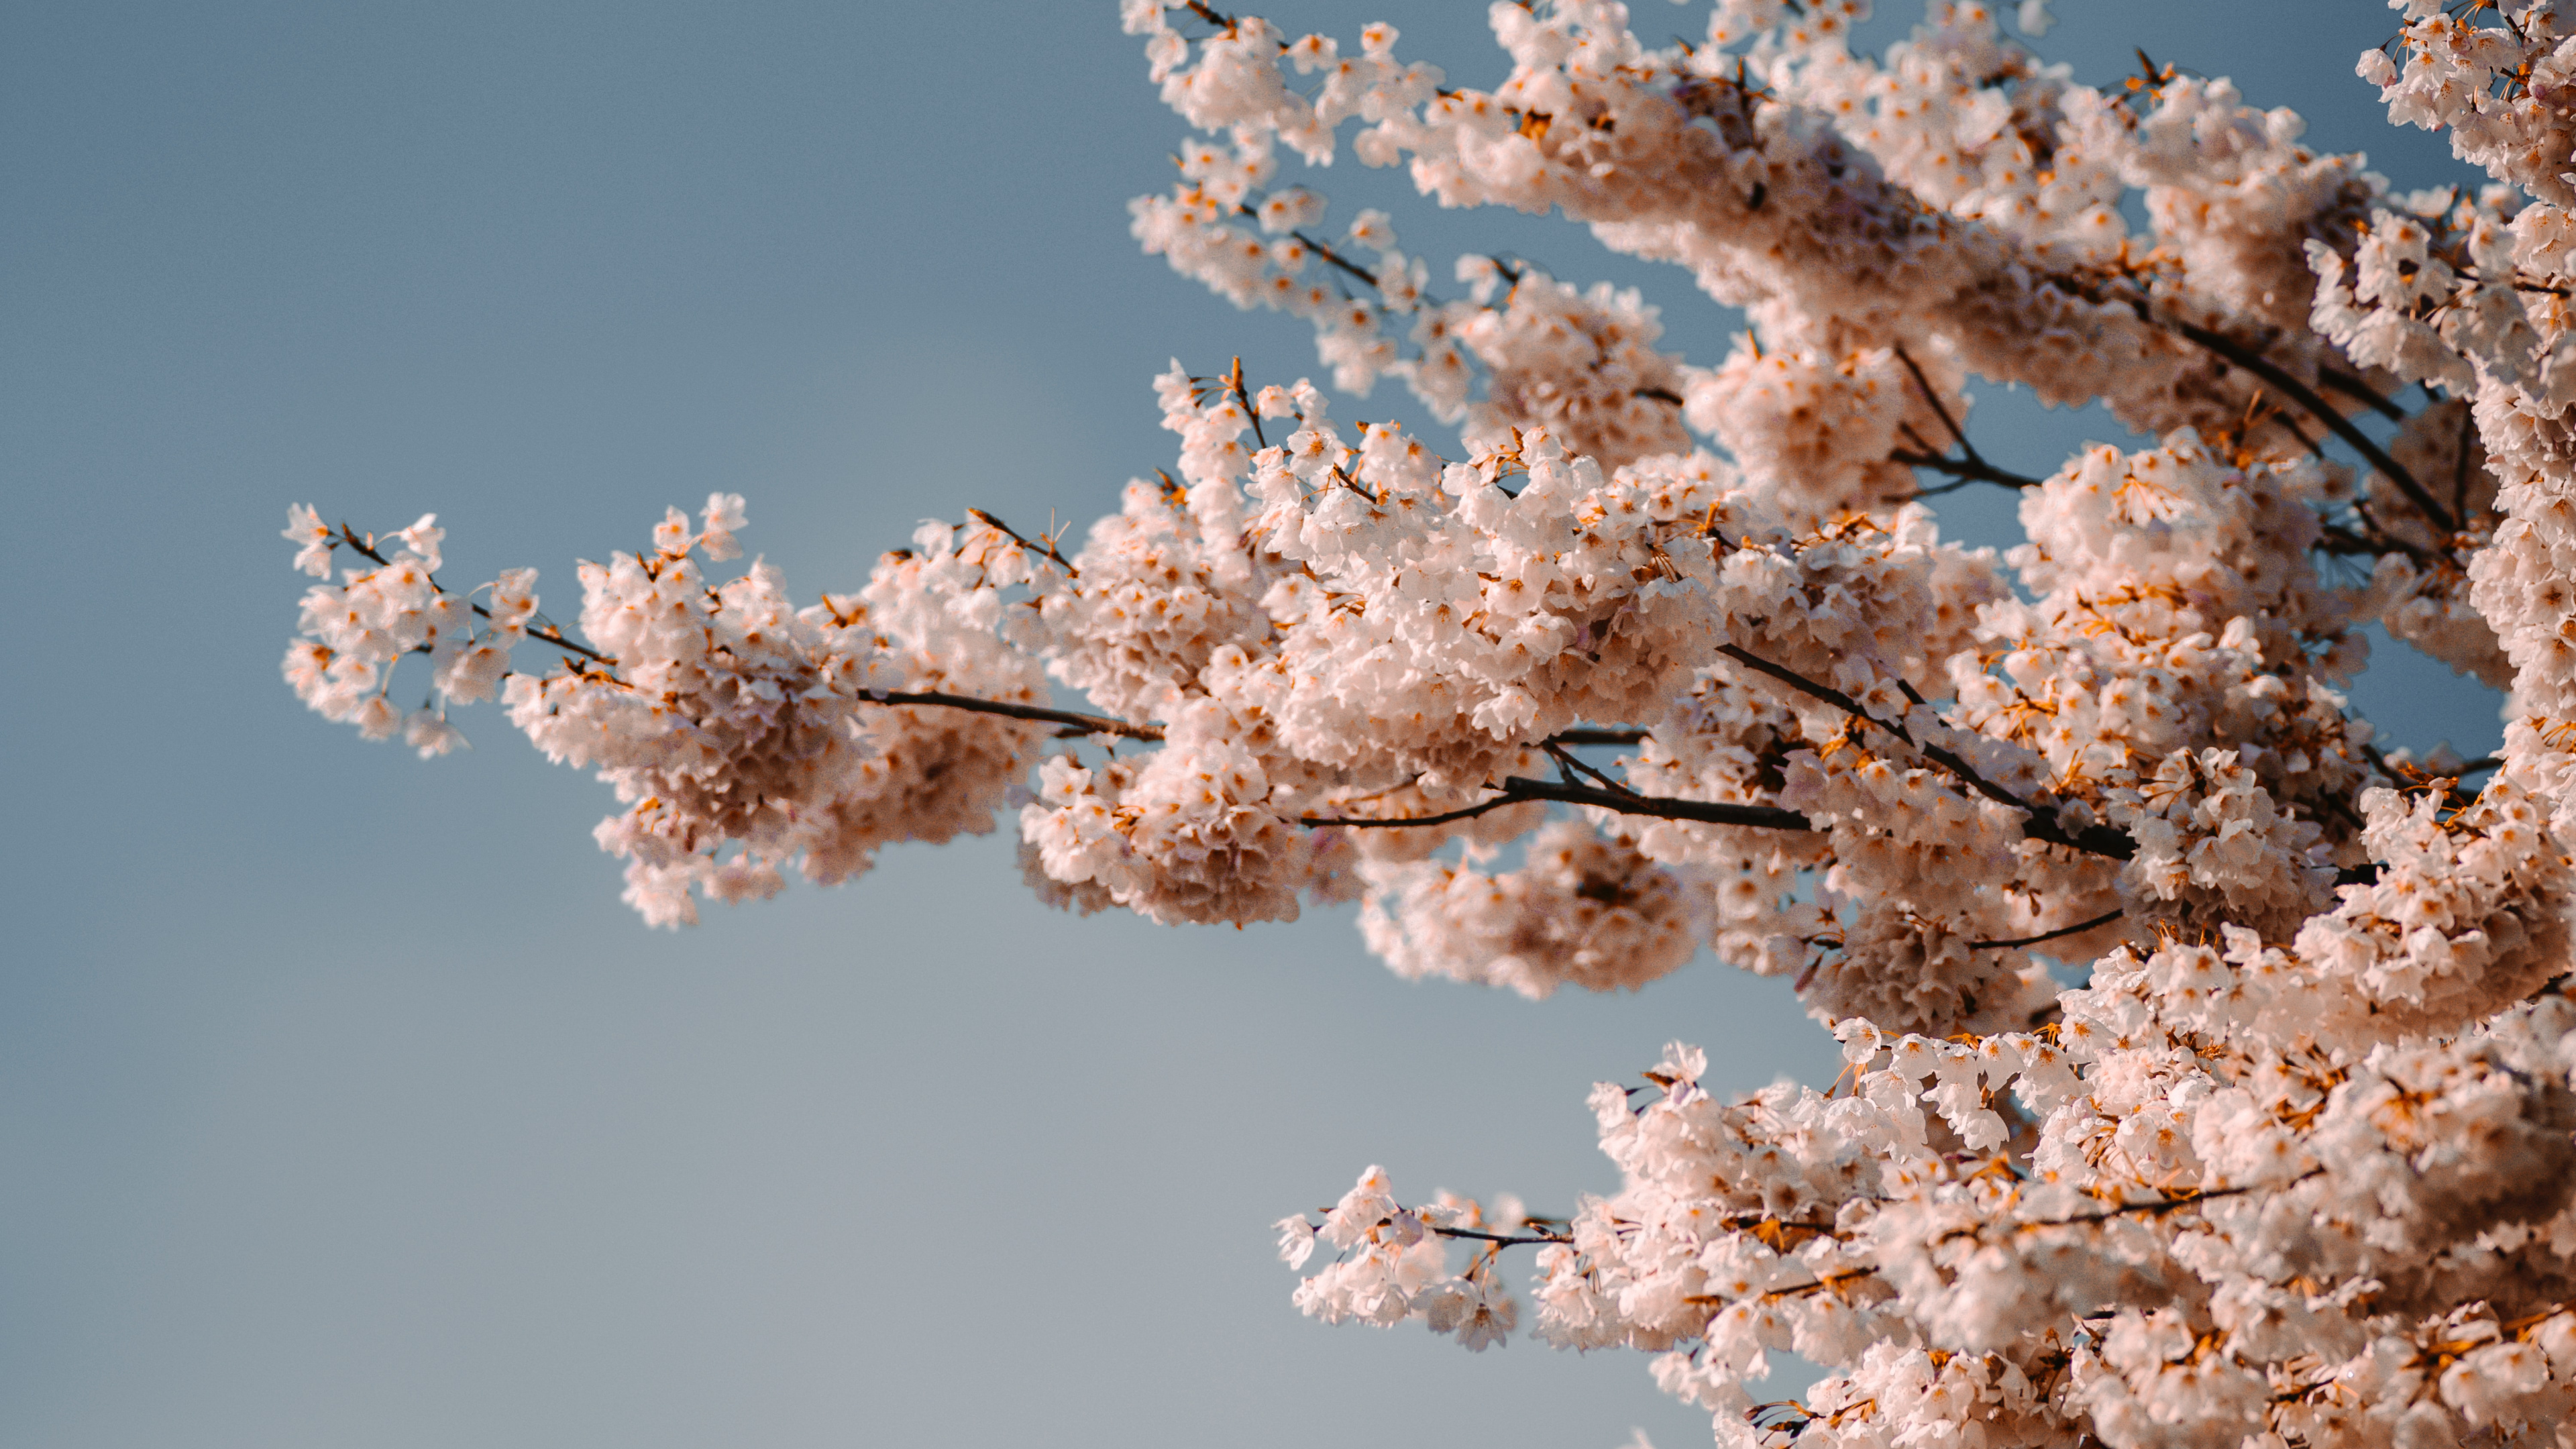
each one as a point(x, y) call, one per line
point(1095, 724)
point(548, 635)
point(2361, 392)
point(2041, 824)
point(2306, 397)
point(2078, 929)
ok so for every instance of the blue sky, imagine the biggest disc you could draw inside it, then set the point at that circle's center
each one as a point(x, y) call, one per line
point(343, 1104)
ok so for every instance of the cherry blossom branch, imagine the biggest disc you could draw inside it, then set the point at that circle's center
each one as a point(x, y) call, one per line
point(2037, 824)
point(1336, 259)
point(1101, 724)
point(1251, 414)
point(2078, 929)
point(1502, 1240)
point(2460, 464)
point(1971, 467)
point(548, 635)
point(2163, 1205)
point(1823, 1281)
point(2041, 824)
point(1706, 812)
point(2317, 407)
point(1594, 737)
point(1093, 724)
point(2343, 542)
point(1518, 789)
point(1567, 762)
point(1346, 265)
point(2361, 392)
point(1004, 529)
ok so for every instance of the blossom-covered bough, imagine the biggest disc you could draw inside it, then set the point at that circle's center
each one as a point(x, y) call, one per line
point(1663, 655)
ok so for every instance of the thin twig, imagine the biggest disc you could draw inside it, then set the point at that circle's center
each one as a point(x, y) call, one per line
point(2362, 392)
point(1356, 822)
point(1337, 259)
point(2341, 540)
point(2306, 397)
point(1966, 470)
point(548, 635)
point(2040, 824)
point(1518, 789)
point(1048, 548)
point(2165, 1205)
point(2460, 465)
point(1938, 408)
point(1234, 381)
point(1594, 737)
point(1094, 724)
point(2078, 929)
point(1566, 761)
point(1503, 1240)
point(1970, 468)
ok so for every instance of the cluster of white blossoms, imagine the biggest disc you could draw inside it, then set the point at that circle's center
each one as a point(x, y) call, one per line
point(1659, 656)
point(740, 731)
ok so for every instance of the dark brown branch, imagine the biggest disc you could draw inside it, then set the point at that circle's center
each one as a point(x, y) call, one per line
point(1809, 687)
point(2078, 929)
point(2281, 419)
point(1515, 790)
point(548, 635)
point(1356, 822)
point(1659, 394)
point(2164, 1205)
point(2337, 539)
point(1503, 1240)
point(554, 636)
point(1972, 466)
point(2040, 824)
point(2519, 282)
point(1047, 548)
point(2460, 465)
point(1594, 737)
point(1234, 381)
point(2361, 392)
point(1338, 260)
point(1518, 789)
point(1939, 409)
point(2317, 407)
point(1706, 812)
point(1090, 724)
point(1967, 470)
point(1333, 257)
point(1566, 762)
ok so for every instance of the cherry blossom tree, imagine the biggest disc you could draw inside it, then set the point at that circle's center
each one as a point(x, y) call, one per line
point(1658, 655)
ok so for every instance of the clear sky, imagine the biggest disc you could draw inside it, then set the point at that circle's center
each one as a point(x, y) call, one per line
point(341, 1102)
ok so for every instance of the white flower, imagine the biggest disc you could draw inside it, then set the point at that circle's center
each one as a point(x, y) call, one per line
point(1480, 1314)
point(723, 517)
point(312, 540)
point(429, 732)
point(1296, 1240)
point(423, 538)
